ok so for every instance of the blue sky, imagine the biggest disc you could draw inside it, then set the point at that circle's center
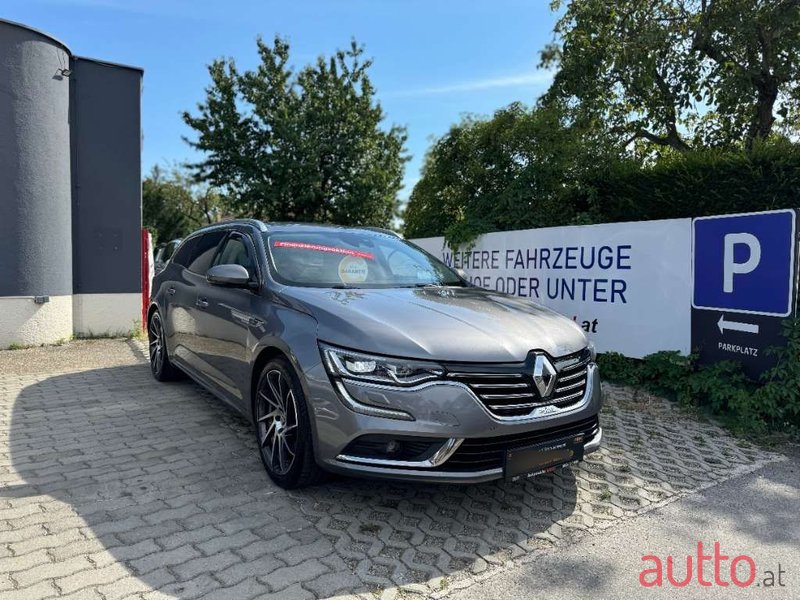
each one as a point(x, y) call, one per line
point(434, 59)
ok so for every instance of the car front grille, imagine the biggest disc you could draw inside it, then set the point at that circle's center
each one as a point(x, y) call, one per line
point(489, 453)
point(509, 390)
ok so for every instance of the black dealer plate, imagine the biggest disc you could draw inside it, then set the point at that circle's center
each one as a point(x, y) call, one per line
point(543, 458)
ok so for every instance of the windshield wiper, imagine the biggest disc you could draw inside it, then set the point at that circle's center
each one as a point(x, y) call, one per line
point(439, 285)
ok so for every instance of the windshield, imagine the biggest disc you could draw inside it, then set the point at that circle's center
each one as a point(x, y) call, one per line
point(357, 259)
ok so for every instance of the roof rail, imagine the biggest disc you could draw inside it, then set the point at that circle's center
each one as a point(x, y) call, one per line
point(382, 230)
point(253, 222)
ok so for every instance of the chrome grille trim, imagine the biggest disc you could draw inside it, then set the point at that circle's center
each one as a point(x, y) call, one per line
point(504, 396)
point(459, 375)
point(500, 385)
point(571, 376)
point(509, 392)
point(568, 365)
point(568, 398)
point(501, 407)
point(566, 388)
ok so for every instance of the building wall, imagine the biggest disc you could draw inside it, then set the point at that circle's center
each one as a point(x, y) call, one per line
point(35, 181)
point(106, 212)
point(70, 191)
point(26, 323)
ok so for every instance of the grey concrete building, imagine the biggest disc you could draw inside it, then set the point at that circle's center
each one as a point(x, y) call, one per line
point(70, 191)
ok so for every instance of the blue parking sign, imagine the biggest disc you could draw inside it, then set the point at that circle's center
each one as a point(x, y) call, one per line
point(745, 263)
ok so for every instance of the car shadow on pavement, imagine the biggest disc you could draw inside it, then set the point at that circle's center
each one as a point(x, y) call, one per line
point(122, 485)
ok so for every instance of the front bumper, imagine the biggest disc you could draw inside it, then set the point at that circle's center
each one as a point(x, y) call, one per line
point(448, 412)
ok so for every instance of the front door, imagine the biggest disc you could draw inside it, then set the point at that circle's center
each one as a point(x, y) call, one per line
point(229, 324)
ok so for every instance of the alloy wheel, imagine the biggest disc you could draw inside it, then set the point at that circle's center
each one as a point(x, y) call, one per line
point(156, 338)
point(277, 422)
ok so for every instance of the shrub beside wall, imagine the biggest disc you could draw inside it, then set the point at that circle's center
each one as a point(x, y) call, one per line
point(770, 405)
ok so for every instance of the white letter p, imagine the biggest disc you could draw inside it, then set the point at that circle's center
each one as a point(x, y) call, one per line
point(731, 267)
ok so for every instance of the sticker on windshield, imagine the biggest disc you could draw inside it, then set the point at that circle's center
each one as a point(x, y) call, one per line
point(323, 248)
point(353, 269)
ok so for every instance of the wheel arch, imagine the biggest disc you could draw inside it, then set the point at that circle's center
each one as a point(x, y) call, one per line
point(265, 355)
point(150, 310)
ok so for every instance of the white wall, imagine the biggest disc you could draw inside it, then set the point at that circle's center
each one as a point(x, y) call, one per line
point(106, 314)
point(26, 323)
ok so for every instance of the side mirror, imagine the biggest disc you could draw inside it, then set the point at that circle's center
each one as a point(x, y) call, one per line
point(228, 275)
point(463, 274)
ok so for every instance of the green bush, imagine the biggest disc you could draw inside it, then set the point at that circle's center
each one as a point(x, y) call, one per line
point(618, 368)
point(779, 397)
point(694, 184)
point(666, 372)
point(770, 405)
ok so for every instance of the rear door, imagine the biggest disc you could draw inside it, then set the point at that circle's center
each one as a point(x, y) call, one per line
point(175, 305)
point(188, 302)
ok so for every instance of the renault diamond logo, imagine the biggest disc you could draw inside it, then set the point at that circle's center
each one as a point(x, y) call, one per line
point(544, 375)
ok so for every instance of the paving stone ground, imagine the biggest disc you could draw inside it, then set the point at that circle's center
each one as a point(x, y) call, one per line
point(115, 486)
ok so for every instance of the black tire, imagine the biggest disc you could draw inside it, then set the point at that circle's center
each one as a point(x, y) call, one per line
point(160, 365)
point(283, 428)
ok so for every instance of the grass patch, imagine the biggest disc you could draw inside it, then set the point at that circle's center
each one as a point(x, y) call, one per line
point(16, 346)
point(136, 332)
point(370, 528)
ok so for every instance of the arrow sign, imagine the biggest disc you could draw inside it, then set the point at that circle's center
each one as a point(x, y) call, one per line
point(736, 326)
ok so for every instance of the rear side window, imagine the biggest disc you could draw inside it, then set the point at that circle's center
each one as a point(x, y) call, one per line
point(203, 250)
point(184, 253)
point(168, 250)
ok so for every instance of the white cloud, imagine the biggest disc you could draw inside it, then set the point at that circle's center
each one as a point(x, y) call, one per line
point(536, 78)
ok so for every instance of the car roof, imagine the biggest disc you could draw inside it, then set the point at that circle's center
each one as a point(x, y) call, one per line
point(287, 227)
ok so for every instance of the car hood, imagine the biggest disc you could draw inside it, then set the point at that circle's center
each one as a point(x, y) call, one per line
point(444, 324)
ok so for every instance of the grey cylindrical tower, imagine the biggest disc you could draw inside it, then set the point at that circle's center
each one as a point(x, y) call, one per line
point(35, 187)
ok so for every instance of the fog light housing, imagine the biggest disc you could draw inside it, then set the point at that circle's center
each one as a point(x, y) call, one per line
point(393, 448)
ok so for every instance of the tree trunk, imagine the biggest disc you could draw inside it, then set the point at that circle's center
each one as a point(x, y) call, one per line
point(763, 117)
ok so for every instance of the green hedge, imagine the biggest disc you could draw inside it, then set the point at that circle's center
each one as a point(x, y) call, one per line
point(699, 183)
point(612, 189)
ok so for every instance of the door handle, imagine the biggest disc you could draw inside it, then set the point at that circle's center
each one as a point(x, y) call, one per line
point(201, 303)
point(171, 291)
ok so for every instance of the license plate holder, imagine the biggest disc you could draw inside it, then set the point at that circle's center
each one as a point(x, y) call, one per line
point(528, 461)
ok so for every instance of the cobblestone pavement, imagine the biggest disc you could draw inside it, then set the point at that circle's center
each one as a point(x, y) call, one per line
point(115, 486)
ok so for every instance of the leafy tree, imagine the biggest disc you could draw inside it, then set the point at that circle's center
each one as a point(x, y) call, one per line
point(173, 205)
point(304, 146)
point(507, 172)
point(680, 73)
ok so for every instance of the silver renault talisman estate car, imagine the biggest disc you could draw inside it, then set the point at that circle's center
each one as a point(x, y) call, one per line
point(355, 352)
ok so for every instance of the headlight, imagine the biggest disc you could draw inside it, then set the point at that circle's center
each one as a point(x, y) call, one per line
point(592, 352)
point(378, 369)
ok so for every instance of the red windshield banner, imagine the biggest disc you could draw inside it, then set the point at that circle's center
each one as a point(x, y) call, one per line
point(321, 248)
